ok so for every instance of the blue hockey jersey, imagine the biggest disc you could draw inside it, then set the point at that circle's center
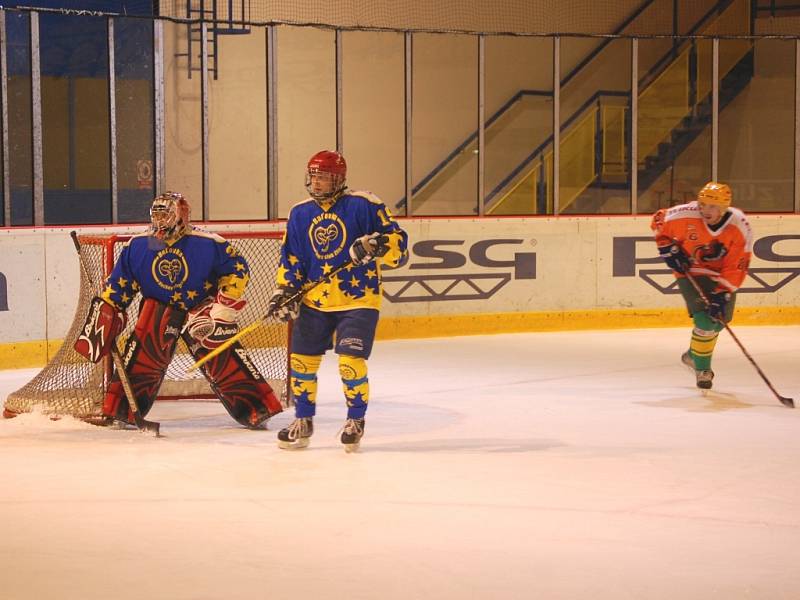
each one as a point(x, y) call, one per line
point(318, 239)
point(181, 274)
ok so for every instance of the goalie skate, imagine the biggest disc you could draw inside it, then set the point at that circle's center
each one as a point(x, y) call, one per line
point(703, 377)
point(297, 435)
point(352, 432)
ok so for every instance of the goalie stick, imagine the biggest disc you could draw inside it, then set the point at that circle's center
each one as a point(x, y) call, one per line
point(138, 419)
point(788, 402)
point(257, 323)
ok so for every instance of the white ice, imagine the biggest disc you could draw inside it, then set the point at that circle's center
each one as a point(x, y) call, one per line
point(580, 465)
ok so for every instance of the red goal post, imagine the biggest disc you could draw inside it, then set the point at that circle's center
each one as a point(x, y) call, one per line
point(70, 385)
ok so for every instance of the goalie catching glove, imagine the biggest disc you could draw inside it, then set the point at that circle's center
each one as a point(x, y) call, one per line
point(367, 247)
point(103, 324)
point(282, 306)
point(213, 322)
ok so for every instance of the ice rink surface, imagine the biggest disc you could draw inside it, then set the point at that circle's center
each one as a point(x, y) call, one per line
point(579, 465)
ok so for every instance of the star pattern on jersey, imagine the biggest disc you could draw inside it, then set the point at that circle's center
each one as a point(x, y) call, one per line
point(191, 294)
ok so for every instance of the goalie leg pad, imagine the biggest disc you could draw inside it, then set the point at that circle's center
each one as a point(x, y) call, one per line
point(147, 355)
point(238, 383)
point(353, 371)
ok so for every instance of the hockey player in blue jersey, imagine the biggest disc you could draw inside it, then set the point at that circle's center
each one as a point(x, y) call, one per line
point(334, 227)
point(192, 285)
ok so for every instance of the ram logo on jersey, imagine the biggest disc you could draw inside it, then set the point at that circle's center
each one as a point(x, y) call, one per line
point(327, 233)
point(170, 270)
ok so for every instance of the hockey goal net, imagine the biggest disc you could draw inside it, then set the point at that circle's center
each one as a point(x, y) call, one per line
point(70, 385)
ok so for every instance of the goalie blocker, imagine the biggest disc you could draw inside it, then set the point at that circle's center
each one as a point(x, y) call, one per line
point(236, 381)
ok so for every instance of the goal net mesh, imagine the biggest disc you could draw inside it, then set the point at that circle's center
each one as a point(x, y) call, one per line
point(71, 385)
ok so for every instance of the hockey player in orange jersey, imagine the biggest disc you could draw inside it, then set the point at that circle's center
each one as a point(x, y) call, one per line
point(713, 242)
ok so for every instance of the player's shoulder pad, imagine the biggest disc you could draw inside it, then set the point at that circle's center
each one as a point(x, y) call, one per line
point(200, 233)
point(299, 205)
point(739, 220)
point(737, 213)
point(682, 211)
point(368, 196)
point(137, 238)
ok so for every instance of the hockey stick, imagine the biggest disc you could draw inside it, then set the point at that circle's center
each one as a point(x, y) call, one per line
point(788, 402)
point(257, 323)
point(141, 422)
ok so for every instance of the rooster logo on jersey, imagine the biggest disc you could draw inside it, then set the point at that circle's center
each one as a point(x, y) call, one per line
point(710, 252)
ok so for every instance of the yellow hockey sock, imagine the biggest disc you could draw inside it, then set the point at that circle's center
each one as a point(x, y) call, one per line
point(303, 381)
point(702, 347)
point(353, 371)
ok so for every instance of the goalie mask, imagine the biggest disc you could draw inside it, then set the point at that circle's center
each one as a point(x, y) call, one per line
point(325, 176)
point(169, 217)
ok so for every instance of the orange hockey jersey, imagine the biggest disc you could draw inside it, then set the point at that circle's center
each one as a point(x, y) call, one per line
point(723, 255)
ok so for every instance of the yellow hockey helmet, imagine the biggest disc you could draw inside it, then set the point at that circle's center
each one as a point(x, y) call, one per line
point(715, 193)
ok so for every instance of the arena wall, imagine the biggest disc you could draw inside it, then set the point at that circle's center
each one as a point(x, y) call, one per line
point(464, 276)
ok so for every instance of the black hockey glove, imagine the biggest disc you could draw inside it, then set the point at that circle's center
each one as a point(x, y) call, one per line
point(281, 307)
point(717, 301)
point(675, 257)
point(367, 247)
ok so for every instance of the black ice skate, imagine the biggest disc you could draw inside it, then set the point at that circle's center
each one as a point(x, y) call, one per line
point(297, 435)
point(351, 434)
point(704, 376)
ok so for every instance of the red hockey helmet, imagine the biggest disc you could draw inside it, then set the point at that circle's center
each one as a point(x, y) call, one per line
point(330, 171)
point(169, 216)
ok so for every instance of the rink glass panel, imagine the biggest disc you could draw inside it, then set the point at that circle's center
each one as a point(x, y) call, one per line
point(134, 91)
point(519, 123)
point(594, 162)
point(373, 125)
point(756, 133)
point(75, 119)
point(444, 169)
point(20, 134)
point(237, 122)
point(306, 69)
point(183, 139)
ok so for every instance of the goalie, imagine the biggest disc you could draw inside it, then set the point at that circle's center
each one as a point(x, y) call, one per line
point(192, 283)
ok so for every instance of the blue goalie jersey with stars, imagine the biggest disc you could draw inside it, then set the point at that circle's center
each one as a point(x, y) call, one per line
point(181, 274)
point(318, 239)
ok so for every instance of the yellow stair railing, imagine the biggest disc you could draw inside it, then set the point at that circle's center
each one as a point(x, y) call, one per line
point(663, 104)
